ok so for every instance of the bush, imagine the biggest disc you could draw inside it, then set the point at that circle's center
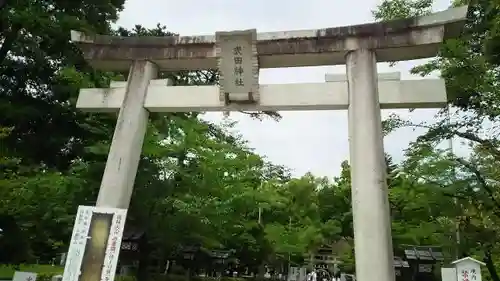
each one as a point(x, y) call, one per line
point(178, 277)
point(172, 277)
point(45, 277)
point(125, 278)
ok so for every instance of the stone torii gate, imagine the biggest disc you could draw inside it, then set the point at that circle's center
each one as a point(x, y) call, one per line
point(239, 55)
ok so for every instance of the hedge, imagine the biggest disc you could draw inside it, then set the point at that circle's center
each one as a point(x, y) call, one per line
point(7, 271)
point(46, 272)
point(171, 277)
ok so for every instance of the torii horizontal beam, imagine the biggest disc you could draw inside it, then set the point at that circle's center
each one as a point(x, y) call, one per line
point(397, 40)
point(424, 93)
point(385, 76)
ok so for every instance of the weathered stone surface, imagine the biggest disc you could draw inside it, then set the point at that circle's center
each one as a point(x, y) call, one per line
point(404, 39)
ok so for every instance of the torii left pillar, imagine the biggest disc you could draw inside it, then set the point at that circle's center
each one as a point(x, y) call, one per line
point(100, 255)
point(124, 154)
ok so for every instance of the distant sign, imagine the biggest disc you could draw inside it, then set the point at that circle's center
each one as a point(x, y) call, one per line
point(238, 65)
point(82, 233)
point(293, 274)
point(425, 268)
point(469, 273)
point(24, 276)
point(468, 269)
point(130, 246)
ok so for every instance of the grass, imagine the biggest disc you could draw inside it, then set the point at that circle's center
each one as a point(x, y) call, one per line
point(7, 271)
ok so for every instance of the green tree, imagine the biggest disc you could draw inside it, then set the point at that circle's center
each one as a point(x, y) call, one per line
point(46, 137)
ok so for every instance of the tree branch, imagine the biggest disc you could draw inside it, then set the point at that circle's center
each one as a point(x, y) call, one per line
point(273, 114)
point(486, 143)
point(490, 264)
point(482, 182)
point(8, 42)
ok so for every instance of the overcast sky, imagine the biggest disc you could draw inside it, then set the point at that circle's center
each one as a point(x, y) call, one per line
point(303, 141)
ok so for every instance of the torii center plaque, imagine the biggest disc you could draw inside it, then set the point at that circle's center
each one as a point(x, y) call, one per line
point(238, 66)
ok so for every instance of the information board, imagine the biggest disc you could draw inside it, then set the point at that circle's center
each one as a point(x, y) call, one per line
point(95, 244)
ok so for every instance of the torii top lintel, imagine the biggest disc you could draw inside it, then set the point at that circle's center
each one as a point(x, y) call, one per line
point(397, 40)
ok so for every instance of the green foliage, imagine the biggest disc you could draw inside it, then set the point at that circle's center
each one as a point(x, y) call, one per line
point(468, 185)
point(400, 9)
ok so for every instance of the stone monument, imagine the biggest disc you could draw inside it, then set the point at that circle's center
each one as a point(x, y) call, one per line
point(239, 55)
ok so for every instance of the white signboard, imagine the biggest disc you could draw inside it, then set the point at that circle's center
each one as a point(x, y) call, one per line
point(80, 236)
point(24, 276)
point(114, 243)
point(78, 243)
point(448, 274)
point(302, 273)
point(468, 269)
point(293, 274)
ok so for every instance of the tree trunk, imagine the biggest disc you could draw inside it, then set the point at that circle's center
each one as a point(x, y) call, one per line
point(9, 41)
point(262, 271)
point(144, 260)
point(490, 266)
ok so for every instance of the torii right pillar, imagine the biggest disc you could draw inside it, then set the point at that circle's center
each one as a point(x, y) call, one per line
point(370, 204)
